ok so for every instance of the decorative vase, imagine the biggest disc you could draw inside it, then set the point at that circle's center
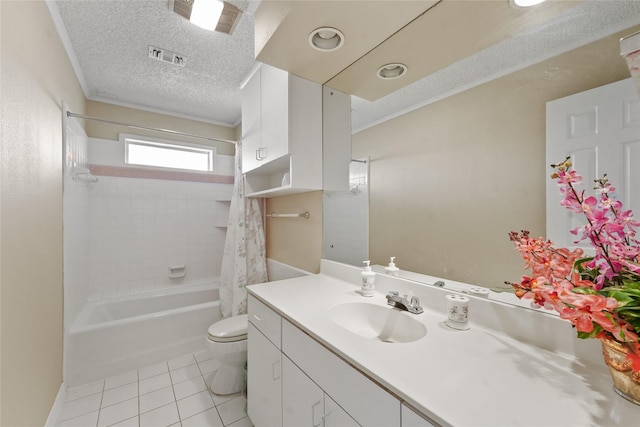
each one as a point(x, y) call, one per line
point(625, 382)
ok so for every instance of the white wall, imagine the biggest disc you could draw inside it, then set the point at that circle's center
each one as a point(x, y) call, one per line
point(76, 222)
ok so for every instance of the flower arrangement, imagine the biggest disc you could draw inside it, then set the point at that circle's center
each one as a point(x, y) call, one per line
point(599, 294)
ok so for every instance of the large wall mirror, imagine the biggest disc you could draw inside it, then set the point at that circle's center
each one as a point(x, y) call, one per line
point(446, 182)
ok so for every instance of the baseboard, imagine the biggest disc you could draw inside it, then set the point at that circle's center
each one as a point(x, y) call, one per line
point(54, 414)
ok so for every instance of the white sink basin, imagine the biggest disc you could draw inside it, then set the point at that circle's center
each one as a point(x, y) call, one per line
point(377, 322)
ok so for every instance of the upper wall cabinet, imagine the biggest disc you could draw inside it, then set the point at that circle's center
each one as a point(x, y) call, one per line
point(426, 36)
point(282, 133)
point(282, 30)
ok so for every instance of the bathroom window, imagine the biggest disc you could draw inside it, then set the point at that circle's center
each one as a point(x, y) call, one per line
point(148, 152)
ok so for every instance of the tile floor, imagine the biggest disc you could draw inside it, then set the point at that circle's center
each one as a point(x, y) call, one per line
point(172, 393)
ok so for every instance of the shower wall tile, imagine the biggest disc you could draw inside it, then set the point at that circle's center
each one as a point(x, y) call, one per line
point(138, 228)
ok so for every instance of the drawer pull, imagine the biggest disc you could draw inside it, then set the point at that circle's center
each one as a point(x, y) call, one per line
point(275, 370)
point(313, 415)
point(257, 318)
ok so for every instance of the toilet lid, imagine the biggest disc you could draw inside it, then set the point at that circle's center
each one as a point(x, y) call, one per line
point(230, 329)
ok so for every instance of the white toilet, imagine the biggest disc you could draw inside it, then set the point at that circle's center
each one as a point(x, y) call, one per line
point(227, 341)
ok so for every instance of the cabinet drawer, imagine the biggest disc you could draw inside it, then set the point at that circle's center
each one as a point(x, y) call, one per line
point(265, 319)
point(368, 403)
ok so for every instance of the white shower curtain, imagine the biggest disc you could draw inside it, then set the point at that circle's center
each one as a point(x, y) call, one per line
point(244, 261)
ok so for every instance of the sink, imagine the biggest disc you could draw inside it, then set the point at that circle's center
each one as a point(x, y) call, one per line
point(377, 322)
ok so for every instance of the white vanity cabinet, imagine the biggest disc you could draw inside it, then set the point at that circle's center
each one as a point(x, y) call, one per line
point(304, 404)
point(264, 366)
point(363, 400)
point(411, 419)
point(294, 381)
point(281, 133)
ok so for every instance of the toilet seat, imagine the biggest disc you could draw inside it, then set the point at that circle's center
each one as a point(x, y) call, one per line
point(230, 329)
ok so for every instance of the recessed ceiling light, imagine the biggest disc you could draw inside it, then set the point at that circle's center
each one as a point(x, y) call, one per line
point(326, 39)
point(524, 3)
point(392, 71)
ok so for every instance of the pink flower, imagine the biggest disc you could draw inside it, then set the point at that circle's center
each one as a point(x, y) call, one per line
point(599, 295)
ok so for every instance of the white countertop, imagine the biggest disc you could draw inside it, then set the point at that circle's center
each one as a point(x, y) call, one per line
point(478, 377)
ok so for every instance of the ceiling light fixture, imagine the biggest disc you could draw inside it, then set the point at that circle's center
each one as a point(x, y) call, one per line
point(525, 3)
point(206, 13)
point(326, 39)
point(392, 71)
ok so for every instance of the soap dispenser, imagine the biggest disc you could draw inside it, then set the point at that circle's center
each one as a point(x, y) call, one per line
point(368, 279)
point(391, 269)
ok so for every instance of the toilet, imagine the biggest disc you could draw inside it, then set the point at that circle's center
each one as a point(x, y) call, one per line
point(227, 342)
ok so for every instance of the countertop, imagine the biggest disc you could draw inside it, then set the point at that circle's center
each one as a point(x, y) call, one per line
point(477, 377)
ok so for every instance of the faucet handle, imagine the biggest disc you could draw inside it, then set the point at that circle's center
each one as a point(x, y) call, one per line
point(392, 294)
point(415, 302)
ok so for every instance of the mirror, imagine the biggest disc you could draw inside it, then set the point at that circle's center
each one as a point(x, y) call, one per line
point(449, 180)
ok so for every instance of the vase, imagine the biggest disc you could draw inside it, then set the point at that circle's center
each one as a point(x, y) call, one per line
point(625, 382)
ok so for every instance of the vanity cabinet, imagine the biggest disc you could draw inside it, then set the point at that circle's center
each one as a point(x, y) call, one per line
point(304, 404)
point(294, 381)
point(364, 401)
point(412, 419)
point(264, 366)
point(281, 133)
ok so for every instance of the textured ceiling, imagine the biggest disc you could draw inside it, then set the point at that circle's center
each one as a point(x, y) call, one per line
point(109, 40)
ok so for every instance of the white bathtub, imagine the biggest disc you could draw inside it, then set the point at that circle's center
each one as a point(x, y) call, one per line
point(120, 334)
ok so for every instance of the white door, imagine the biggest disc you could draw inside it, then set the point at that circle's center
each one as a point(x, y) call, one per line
point(600, 130)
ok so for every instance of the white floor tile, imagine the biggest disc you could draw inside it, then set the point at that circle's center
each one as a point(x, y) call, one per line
point(208, 418)
point(153, 370)
point(90, 419)
point(81, 406)
point(85, 390)
point(244, 422)
point(154, 383)
point(203, 355)
point(181, 362)
point(160, 417)
point(130, 422)
point(122, 379)
point(194, 404)
point(209, 366)
point(189, 387)
point(168, 394)
point(119, 394)
point(118, 412)
point(156, 399)
point(183, 374)
point(233, 410)
point(219, 400)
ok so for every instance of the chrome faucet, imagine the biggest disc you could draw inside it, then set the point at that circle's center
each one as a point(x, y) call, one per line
point(412, 305)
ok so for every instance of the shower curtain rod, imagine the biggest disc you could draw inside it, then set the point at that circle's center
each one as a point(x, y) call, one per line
point(173, 132)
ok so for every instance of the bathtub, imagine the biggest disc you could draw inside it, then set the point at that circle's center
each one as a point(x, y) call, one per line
point(120, 334)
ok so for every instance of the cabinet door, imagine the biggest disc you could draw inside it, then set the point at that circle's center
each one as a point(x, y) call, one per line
point(264, 380)
point(411, 419)
point(335, 416)
point(251, 123)
point(275, 112)
point(302, 399)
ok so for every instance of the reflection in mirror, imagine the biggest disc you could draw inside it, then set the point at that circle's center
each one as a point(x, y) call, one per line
point(449, 180)
point(346, 218)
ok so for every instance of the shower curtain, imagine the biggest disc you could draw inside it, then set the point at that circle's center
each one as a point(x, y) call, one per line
point(244, 261)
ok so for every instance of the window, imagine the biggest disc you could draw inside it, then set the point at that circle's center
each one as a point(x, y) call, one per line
point(145, 152)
